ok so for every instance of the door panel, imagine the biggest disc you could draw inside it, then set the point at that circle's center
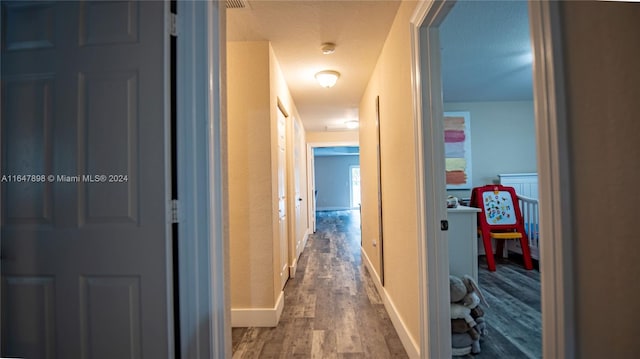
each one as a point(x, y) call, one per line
point(312, 196)
point(282, 199)
point(108, 140)
point(298, 148)
point(110, 316)
point(85, 255)
point(29, 99)
point(32, 301)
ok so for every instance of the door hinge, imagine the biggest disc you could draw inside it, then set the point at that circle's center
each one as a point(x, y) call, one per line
point(173, 24)
point(174, 211)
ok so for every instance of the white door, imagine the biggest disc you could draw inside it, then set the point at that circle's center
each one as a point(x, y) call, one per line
point(85, 247)
point(311, 175)
point(282, 200)
point(298, 164)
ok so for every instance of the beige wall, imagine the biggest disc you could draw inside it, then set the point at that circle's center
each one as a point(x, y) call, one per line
point(250, 175)
point(391, 81)
point(296, 227)
point(510, 121)
point(255, 84)
point(602, 46)
point(332, 136)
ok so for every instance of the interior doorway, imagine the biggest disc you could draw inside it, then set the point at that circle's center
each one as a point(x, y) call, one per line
point(489, 138)
point(550, 122)
point(311, 175)
point(334, 171)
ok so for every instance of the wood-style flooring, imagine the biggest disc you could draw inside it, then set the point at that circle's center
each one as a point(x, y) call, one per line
point(514, 319)
point(332, 309)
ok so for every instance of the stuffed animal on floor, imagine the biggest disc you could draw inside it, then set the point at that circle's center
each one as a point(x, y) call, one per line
point(467, 317)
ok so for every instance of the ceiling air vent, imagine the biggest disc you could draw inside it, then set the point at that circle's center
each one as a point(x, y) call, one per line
point(237, 4)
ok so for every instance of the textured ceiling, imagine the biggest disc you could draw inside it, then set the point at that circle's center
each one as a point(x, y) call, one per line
point(297, 29)
point(485, 50)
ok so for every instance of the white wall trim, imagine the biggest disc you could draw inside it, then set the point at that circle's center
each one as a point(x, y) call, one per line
point(203, 247)
point(410, 345)
point(304, 240)
point(258, 317)
point(303, 243)
point(293, 268)
point(556, 258)
point(433, 252)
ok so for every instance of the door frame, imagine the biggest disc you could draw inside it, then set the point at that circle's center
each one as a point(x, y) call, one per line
point(294, 226)
point(554, 178)
point(205, 327)
point(433, 251)
point(282, 125)
point(558, 324)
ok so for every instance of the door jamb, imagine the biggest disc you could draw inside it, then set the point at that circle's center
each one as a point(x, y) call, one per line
point(554, 180)
point(203, 247)
point(433, 252)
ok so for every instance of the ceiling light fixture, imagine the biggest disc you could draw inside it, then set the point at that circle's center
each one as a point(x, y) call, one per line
point(328, 48)
point(352, 125)
point(327, 78)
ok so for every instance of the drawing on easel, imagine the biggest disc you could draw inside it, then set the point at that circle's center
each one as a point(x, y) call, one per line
point(498, 208)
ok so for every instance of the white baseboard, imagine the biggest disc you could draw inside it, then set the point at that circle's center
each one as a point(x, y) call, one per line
point(307, 233)
point(303, 243)
point(293, 268)
point(258, 317)
point(410, 345)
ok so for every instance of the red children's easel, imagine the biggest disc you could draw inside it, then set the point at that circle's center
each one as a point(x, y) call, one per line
point(500, 218)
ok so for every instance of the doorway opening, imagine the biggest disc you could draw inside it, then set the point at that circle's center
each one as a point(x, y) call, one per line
point(333, 172)
point(550, 121)
point(489, 138)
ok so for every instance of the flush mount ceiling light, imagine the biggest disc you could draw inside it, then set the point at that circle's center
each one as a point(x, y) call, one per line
point(352, 125)
point(327, 78)
point(328, 48)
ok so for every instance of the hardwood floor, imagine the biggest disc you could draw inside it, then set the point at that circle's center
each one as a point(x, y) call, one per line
point(514, 318)
point(331, 308)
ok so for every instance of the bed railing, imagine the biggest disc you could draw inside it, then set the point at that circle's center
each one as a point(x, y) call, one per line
point(526, 186)
point(530, 214)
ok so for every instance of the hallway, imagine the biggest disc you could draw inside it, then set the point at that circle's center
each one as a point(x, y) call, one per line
point(332, 309)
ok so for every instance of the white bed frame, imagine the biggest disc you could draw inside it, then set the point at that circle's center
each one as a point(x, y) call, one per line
point(526, 186)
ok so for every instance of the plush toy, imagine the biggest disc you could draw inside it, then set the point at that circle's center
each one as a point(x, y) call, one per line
point(457, 289)
point(459, 311)
point(465, 290)
point(463, 344)
point(459, 326)
point(472, 291)
point(467, 317)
